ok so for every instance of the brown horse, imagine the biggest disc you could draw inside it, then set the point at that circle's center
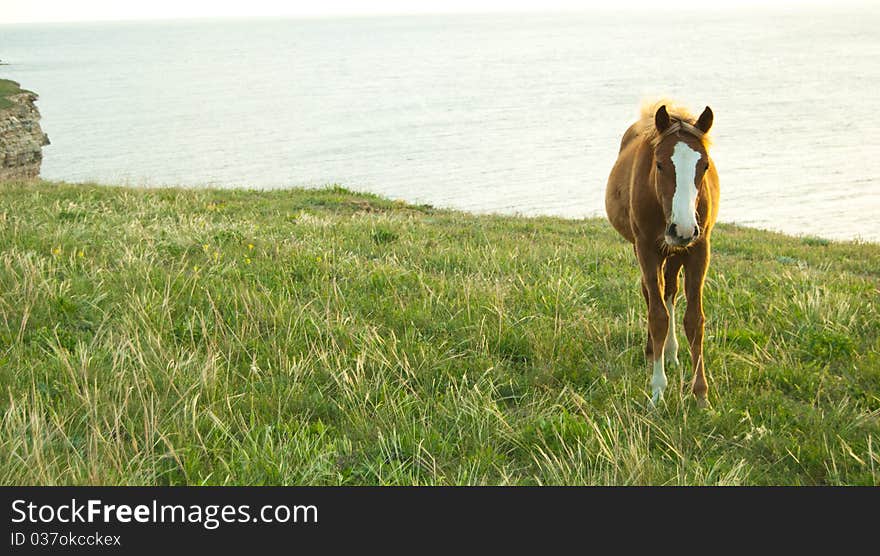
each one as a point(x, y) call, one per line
point(662, 197)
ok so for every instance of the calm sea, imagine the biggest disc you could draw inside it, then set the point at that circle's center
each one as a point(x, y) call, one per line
point(491, 113)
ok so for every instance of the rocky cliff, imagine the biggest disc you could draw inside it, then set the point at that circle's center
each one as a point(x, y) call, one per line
point(21, 139)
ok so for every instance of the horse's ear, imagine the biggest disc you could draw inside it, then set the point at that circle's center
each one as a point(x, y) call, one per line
point(705, 121)
point(661, 119)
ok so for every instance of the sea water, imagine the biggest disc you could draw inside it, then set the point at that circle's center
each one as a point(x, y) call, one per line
point(519, 114)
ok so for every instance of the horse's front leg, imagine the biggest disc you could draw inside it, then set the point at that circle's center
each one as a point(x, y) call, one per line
point(649, 345)
point(651, 263)
point(694, 319)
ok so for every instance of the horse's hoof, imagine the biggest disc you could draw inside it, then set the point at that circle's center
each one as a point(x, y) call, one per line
point(703, 403)
point(672, 360)
point(655, 399)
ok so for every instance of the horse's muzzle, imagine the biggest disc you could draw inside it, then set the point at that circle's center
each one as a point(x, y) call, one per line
point(681, 237)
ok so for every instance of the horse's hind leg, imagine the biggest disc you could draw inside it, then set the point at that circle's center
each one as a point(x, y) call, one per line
point(670, 278)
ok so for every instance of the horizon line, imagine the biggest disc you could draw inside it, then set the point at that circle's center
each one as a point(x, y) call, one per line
point(808, 6)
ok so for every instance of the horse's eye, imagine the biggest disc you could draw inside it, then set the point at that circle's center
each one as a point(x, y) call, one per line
point(659, 167)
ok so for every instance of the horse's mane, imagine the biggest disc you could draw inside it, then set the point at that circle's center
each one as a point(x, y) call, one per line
point(676, 112)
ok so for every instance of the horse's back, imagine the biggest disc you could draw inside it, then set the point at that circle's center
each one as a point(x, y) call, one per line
point(617, 192)
point(631, 134)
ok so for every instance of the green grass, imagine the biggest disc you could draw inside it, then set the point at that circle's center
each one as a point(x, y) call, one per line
point(326, 337)
point(9, 88)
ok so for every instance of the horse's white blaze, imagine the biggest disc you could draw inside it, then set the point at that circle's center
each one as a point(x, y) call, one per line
point(658, 381)
point(685, 159)
point(671, 347)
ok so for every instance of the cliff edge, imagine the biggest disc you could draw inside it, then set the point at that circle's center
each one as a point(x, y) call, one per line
point(21, 139)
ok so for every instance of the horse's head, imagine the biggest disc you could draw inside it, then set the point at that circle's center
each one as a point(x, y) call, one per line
point(680, 166)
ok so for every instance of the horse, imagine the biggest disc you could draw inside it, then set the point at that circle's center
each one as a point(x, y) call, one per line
point(662, 196)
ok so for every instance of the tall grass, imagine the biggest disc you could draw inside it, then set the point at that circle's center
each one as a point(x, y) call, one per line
point(325, 337)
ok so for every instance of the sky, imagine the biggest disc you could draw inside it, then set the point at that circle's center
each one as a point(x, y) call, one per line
point(25, 11)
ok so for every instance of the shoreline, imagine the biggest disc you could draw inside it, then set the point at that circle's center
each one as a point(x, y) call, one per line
point(805, 236)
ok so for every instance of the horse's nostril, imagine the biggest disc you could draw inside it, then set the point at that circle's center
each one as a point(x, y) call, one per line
point(696, 232)
point(671, 231)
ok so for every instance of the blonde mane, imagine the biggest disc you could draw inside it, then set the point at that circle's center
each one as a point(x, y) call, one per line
point(646, 126)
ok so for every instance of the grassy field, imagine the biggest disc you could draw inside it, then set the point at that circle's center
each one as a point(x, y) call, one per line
point(325, 337)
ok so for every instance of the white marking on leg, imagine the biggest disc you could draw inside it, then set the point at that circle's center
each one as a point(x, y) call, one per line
point(658, 381)
point(671, 347)
point(684, 201)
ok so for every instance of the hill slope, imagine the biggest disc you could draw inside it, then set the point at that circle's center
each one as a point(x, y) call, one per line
point(323, 337)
